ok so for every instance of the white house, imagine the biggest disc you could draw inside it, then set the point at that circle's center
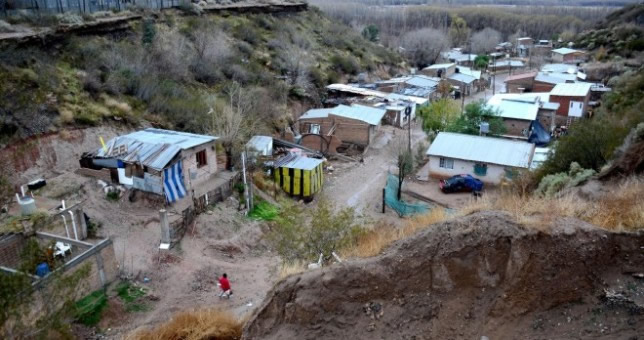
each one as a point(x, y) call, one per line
point(486, 158)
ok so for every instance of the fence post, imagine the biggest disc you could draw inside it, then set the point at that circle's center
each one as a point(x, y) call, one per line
point(383, 200)
point(165, 226)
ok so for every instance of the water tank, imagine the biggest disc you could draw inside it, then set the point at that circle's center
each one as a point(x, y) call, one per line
point(27, 205)
point(485, 128)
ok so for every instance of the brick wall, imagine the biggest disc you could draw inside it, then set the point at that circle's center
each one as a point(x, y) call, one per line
point(564, 103)
point(542, 87)
point(513, 86)
point(516, 126)
point(347, 130)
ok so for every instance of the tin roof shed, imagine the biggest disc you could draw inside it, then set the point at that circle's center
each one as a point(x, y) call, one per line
point(571, 89)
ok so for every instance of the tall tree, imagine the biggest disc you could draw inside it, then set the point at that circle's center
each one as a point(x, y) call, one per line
point(439, 115)
point(458, 31)
point(475, 114)
point(485, 40)
point(371, 33)
point(424, 46)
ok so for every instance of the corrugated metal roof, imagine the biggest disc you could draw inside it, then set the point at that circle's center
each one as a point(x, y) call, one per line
point(154, 148)
point(463, 78)
point(367, 114)
point(417, 92)
point(549, 78)
point(515, 107)
point(520, 76)
point(260, 143)
point(414, 99)
point(422, 81)
point(293, 161)
point(439, 66)
point(355, 90)
point(482, 149)
point(363, 113)
point(316, 113)
point(559, 68)
point(571, 89)
point(468, 71)
point(513, 63)
point(565, 50)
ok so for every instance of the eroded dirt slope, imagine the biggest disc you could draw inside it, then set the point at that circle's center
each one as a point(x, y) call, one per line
point(481, 275)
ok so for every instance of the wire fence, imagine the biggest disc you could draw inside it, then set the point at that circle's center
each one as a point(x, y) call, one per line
point(402, 208)
point(37, 7)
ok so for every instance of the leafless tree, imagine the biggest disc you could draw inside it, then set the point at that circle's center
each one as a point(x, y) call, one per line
point(423, 47)
point(400, 152)
point(485, 40)
point(211, 46)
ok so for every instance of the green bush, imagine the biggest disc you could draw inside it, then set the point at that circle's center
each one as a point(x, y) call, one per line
point(90, 308)
point(264, 211)
point(347, 64)
point(552, 184)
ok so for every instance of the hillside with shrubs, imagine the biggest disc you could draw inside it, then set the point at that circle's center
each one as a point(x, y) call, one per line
point(178, 70)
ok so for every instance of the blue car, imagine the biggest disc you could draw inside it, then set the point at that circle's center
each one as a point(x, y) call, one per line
point(461, 183)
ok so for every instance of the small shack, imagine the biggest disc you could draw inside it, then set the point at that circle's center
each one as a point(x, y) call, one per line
point(260, 146)
point(299, 176)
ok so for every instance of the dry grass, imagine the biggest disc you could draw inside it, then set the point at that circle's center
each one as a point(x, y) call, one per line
point(621, 208)
point(288, 269)
point(200, 324)
point(380, 237)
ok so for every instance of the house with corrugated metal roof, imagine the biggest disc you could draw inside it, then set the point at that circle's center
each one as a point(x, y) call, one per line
point(567, 55)
point(178, 166)
point(355, 124)
point(520, 110)
point(489, 159)
point(573, 101)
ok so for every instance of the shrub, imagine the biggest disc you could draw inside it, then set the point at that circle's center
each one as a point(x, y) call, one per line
point(552, 184)
point(300, 234)
point(90, 308)
point(346, 64)
point(206, 323)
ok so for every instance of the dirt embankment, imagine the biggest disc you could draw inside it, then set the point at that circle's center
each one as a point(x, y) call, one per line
point(481, 275)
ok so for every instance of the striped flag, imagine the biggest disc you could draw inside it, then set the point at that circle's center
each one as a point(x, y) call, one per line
point(173, 182)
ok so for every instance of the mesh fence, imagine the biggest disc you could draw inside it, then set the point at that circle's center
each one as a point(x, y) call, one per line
point(402, 208)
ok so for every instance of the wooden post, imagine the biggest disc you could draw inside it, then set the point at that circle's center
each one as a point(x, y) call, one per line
point(383, 200)
point(165, 226)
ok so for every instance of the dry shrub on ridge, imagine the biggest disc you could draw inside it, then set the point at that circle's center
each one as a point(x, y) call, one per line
point(199, 324)
point(372, 242)
point(619, 208)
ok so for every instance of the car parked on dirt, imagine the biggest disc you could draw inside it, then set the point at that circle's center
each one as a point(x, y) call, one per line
point(461, 183)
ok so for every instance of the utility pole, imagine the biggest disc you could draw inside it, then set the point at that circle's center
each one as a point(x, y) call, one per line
point(462, 99)
point(408, 114)
point(494, 75)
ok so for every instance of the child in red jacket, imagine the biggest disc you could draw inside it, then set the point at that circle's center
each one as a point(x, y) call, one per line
point(225, 286)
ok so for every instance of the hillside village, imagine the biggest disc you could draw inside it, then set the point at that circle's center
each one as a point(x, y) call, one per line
point(342, 187)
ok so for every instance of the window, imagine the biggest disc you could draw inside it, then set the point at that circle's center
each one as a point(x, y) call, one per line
point(480, 169)
point(446, 163)
point(201, 158)
point(314, 128)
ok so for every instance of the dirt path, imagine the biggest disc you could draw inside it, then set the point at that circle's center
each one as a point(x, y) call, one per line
point(359, 185)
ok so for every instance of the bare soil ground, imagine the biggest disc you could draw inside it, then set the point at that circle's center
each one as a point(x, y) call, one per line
point(480, 275)
point(360, 184)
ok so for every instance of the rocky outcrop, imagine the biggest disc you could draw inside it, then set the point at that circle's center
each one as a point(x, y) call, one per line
point(480, 275)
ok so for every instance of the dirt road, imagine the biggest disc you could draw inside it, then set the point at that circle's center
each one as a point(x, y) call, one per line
point(360, 185)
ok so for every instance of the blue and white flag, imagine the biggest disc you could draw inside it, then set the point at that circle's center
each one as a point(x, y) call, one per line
point(173, 183)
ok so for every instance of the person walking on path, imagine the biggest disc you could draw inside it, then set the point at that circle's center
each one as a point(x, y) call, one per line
point(224, 284)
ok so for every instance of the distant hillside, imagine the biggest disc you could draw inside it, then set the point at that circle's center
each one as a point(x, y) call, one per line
point(174, 69)
point(621, 33)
